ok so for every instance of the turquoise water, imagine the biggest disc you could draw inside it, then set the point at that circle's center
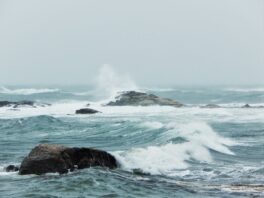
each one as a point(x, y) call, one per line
point(162, 151)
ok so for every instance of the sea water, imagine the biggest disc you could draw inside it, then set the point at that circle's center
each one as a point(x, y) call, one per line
point(161, 151)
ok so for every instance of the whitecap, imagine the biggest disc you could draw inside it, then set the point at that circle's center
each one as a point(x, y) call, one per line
point(167, 158)
point(26, 91)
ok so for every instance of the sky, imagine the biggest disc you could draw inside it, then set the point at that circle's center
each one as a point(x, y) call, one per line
point(155, 42)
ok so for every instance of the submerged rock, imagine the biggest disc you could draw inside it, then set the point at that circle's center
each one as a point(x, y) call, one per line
point(12, 168)
point(133, 98)
point(49, 158)
point(22, 103)
point(211, 106)
point(86, 111)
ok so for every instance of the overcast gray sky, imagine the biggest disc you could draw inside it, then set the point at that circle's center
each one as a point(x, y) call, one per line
point(156, 42)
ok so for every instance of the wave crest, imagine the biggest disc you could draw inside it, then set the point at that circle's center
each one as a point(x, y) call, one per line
point(165, 159)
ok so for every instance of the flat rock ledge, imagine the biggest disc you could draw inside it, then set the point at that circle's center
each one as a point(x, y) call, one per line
point(52, 158)
point(134, 98)
point(211, 106)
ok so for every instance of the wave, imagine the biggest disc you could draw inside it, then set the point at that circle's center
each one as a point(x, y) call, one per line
point(167, 158)
point(246, 90)
point(68, 107)
point(152, 125)
point(61, 108)
point(26, 91)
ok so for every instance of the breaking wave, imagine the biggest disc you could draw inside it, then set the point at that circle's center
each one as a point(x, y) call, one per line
point(167, 158)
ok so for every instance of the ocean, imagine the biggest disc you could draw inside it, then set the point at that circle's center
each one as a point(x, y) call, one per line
point(162, 151)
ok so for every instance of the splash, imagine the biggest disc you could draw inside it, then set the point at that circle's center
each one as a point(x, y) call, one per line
point(109, 83)
point(167, 158)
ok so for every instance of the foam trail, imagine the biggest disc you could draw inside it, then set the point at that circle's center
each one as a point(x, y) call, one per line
point(165, 159)
point(109, 83)
point(28, 91)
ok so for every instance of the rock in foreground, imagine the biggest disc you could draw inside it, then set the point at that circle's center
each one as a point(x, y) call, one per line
point(133, 98)
point(86, 111)
point(49, 158)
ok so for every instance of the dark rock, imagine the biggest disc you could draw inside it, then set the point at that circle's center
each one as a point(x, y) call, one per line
point(133, 98)
point(211, 106)
point(246, 106)
point(12, 168)
point(5, 103)
point(86, 111)
point(249, 106)
point(16, 104)
point(48, 158)
point(88, 157)
point(22, 103)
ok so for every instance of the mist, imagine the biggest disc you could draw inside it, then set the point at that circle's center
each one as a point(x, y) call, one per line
point(163, 43)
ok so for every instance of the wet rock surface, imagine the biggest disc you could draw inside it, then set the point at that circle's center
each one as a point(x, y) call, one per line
point(22, 103)
point(133, 98)
point(87, 111)
point(51, 158)
point(12, 168)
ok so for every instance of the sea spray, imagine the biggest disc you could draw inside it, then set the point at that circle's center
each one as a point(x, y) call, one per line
point(109, 83)
point(164, 159)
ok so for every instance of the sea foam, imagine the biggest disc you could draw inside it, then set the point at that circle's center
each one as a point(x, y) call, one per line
point(166, 158)
point(26, 91)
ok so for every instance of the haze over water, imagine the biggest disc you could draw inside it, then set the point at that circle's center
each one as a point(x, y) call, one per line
point(73, 53)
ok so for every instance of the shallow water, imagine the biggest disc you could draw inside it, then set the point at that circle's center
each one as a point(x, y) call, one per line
point(162, 151)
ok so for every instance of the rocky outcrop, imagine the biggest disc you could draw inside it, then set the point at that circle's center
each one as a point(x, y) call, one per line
point(12, 168)
point(133, 98)
point(246, 106)
point(249, 106)
point(87, 111)
point(21, 104)
point(49, 158)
